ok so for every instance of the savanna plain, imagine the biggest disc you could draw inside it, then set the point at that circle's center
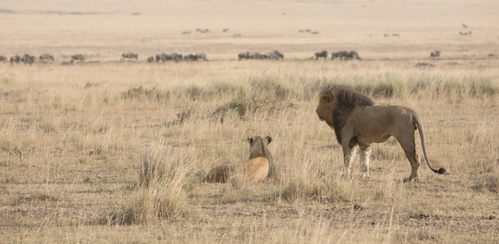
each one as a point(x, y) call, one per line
point(73, 137)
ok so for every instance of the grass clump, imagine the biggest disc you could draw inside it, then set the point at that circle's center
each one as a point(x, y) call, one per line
point(162, 194)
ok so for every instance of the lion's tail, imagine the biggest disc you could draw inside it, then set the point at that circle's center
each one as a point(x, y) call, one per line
point(420, 130)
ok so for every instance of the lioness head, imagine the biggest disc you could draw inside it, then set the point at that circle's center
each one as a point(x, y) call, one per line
point(259, 146)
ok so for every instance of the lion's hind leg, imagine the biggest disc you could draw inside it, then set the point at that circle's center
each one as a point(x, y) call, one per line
point(410, 152)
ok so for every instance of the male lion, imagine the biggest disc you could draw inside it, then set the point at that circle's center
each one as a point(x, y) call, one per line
point(259, 166)
point(357, 122)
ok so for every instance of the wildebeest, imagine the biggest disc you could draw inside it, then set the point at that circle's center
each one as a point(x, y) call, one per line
point(28, 59)
point(202, 56)
point(161, 57)
point(129, 55)
point(15, 59)
point(275, 55)
point(225, 29)
point(150, 59)
point(176, 57)
point(78, 57)
point(167, 57)
point(435, 54)
point(3, 59)
point(345, 55)
point(202, 31)
point(243, 55)
point(322, 54)
point(341, 55)
point(465, 33)
point(191, 57)
point(352, 55)
point(46, 57)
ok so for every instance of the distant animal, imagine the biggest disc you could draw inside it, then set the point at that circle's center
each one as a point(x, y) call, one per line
point(201, 56)
point(28, 59)
point(191, 57)
point(225, 30)
point(175, 57)
point(3, 59)
point(150, 59)
point(129, 55)
point(46, 57)
point(161, 57)
point(395, 34)
point(469, 33)
point(357, 122)
point(253, 55)
point(275, 55)
point(341, 55)
point(202, 30)
point(262, 56)
point(314, 32)
point(78, 57)
point(243, 55)
point(259, 167)
point(322, 54)
point(464, 25)
point(352, 55)
point(15, 59)
point(435, 54)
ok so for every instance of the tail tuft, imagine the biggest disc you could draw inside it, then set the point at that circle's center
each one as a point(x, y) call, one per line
point(442, 171)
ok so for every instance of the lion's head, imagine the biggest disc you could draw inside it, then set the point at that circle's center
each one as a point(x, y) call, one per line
point(336, 102)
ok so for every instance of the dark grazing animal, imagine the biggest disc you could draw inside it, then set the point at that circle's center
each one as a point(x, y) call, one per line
point(322, 54)
point(3, 59)
point(275, 55)
point(352, 55)
point(202, 56)
point(435, 54)
point(15, 59)
point(341, 55)
point(129, 55)
point(78, 57)
point(46, 57)
point(243, 55)
point(28, 59)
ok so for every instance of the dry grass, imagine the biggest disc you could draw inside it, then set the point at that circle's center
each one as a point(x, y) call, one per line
point(115, 152)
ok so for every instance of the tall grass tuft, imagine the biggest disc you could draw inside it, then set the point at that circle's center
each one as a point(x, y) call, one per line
point(162, 195)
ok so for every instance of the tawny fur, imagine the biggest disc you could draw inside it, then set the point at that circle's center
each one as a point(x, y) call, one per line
point(357, 122)
point(259, 166)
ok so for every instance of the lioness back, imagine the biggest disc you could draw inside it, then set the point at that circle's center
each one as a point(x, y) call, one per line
point(255, 169)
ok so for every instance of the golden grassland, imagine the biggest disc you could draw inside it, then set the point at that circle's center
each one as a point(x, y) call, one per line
point(73, 137)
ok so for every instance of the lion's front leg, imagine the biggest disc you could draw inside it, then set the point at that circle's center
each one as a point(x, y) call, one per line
point(348, 154)
point(365, 153)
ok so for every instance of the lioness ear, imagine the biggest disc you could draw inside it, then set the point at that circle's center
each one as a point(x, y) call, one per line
point(250, 140)
point(269, 139)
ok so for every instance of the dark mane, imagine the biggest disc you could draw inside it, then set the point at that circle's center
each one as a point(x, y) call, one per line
point(346, 99)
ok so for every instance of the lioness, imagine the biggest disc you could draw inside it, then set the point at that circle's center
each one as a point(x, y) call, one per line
point(259, 166)
point(357, 122)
